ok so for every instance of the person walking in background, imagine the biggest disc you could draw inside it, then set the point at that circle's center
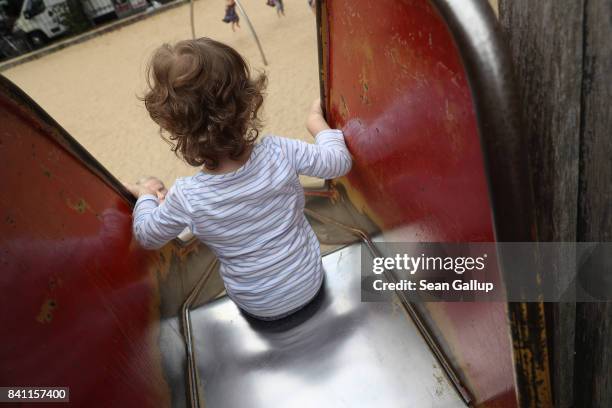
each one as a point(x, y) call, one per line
point(280, 7)
point(230, 14)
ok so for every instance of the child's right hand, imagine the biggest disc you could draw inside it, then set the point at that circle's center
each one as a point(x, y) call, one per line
point(148, 185)
point(315, 122)
point(138, 189)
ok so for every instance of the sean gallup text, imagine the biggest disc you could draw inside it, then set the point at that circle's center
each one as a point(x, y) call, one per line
point(472, 285)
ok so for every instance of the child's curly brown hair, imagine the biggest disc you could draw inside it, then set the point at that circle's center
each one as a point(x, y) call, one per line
point(201, 92)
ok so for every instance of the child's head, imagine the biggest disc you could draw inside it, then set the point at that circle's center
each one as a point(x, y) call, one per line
point(202, 94)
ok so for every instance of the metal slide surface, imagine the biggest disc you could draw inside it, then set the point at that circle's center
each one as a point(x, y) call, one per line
point(338, 352)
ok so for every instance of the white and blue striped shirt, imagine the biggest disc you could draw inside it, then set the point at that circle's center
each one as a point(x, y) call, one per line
point(253, 220)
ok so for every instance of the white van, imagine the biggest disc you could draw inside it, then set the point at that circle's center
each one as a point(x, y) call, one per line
point(42, 20)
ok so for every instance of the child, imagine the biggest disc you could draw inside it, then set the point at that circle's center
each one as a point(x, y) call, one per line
point(246, 201)
point(230, 14)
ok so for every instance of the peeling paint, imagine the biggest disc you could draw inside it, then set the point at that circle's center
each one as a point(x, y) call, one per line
point(10, 221)
point(344, 111)
point(363, 81)
point(80, 206)
point(46, 311)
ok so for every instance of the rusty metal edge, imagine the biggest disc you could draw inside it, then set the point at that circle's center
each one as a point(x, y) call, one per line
point(486, 59)
point(322, 45)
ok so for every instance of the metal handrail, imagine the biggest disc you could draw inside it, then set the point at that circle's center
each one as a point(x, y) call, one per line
point(192, 372)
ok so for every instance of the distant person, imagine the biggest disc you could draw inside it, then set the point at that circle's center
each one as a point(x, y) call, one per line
point(245, 202)
point(312, 4)
point(230, 15)
point(280, 7)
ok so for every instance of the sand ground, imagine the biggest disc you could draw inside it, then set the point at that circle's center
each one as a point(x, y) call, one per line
point(91, 88)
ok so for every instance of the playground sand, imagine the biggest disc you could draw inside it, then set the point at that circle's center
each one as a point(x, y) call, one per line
point(91, 88)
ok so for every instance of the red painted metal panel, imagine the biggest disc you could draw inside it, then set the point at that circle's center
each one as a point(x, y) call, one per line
point(80, 301)
point(397, 87)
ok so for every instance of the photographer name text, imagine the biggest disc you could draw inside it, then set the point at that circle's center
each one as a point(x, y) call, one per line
point(472, 285)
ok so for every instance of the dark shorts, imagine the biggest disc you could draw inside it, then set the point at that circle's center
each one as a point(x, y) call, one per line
point(314, 299)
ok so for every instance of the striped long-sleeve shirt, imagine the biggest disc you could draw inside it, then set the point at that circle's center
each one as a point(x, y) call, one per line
point(253, 220)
